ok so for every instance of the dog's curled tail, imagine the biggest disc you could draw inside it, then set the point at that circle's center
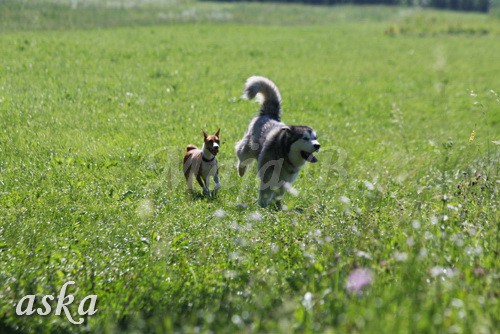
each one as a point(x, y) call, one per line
point(190, 147)
point(267, 95)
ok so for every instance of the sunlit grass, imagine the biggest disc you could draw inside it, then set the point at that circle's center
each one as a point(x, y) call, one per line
point(395, 229)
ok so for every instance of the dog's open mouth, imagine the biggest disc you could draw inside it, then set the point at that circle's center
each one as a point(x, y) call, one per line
point(214, 151)
point(308, 156)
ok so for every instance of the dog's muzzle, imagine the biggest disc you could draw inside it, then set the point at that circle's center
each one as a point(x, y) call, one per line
point(309, 156)
point(214, 149)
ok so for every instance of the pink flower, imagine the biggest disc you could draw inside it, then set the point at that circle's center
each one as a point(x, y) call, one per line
point(358, 279)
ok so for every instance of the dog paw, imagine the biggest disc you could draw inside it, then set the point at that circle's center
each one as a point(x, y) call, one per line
point(206, 192)
point(262, 203)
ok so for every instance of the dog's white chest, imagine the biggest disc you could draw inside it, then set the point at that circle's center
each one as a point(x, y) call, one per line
point(209, 168)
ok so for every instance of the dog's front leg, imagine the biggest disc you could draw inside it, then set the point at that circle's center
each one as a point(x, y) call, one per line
point(217, 184)
point(203, 184)
point(265, 196)
point(206, 188)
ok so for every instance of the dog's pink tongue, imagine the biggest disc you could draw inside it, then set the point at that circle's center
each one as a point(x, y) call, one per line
point(312, 158)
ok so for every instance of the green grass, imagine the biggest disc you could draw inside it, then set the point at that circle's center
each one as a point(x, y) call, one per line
point(97, 108)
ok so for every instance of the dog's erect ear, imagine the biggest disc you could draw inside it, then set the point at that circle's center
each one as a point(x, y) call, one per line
point(217, 134)
point(204, 134)
point(286, 135)
point(286, 129)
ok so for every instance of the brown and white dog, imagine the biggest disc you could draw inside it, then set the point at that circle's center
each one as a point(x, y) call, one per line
point(202, 164)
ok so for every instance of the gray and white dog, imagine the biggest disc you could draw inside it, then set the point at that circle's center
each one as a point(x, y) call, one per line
point(280, 150)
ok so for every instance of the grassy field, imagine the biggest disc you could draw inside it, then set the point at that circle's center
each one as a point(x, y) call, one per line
point(395, 229)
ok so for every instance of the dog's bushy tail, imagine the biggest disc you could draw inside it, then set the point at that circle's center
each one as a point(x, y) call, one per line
point(267, 94)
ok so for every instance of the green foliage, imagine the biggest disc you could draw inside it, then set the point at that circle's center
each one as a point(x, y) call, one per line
point(93, 127)
point(425, 23)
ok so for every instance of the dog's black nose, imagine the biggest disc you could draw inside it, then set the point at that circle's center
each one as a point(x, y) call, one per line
point(317, 146)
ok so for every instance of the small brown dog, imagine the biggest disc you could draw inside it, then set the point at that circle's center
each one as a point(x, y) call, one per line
point(202, 164)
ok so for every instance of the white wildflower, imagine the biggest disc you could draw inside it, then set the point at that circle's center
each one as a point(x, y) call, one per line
point(369, 185)
point(458, 303)
point(307, 300)
point(415, 224)
point(288, 187)
point(145, 209)
point(364, 255)
point(441, 271)
point(236, 319)
point(410, 241)
point(457, 239)
point(345, 200)
point(255, 216)
point(219, 213)
point(434, 220)
point(400, 256)
point(436, 271)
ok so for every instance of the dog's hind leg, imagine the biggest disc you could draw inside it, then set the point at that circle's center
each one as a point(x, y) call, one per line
point(244, 159)
point(245, 155)
point(189, 180)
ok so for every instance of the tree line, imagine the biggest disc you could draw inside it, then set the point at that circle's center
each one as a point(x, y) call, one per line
point(461, 5)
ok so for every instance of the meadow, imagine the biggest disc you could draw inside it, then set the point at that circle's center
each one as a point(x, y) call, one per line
point(395, 229)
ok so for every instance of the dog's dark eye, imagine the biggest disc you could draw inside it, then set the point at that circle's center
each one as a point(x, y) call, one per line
point(305, 138)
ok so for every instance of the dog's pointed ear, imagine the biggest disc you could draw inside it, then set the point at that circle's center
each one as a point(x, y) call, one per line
point(204, 134)
point(217, 134)
point(286, 129)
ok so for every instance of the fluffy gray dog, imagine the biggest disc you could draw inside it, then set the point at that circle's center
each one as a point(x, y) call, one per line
point(280, 150)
